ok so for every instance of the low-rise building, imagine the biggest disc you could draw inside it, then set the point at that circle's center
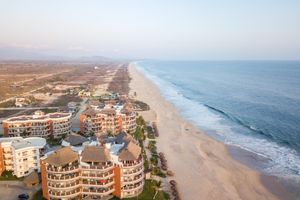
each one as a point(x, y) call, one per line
point(21, 155)
point(39, 124)
point(109, 118)
point(112, 168)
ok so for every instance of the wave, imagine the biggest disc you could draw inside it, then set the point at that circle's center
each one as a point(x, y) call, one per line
point(285, 161)
point(239, 121)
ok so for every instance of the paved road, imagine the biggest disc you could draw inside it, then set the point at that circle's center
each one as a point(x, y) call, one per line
point(9, 190)
point(76, 119)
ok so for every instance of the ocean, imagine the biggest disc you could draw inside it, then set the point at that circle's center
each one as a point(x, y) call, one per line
point(254, 105)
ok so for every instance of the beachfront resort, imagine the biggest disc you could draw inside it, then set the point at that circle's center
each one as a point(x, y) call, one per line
point(112, 117)
point(111, 167)
point(104, 160)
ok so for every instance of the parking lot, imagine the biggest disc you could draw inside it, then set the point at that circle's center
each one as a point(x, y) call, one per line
point(9, 190)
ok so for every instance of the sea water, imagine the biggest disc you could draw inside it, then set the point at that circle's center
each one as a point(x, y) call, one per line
point(254, 105)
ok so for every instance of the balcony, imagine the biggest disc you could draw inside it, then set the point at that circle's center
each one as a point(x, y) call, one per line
point(63, 178)
point(98, 176)
point(64, 186)
point(86, 183)
point(134, 164)
point(134, 187)
point(102, 192)
point(62, 194)
point(133, 172)
point(134, 180)
point(98, 167)
point(63, 170)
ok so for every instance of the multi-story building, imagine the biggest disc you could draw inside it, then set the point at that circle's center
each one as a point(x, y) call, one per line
point(109, 118)
point(112, 169)
point(21, 156)
point(38, 124)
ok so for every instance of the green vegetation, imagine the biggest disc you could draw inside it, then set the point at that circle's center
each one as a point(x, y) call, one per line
point(157, 171)
point(150, 132)
point(8, 176)
point(38, 195)
point(149, 191)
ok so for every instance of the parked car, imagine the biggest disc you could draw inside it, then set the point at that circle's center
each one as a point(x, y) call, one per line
point(23, 196)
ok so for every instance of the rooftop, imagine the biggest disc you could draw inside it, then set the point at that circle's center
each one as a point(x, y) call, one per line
point(62, 157)
point(95, 154)
point(20, 143)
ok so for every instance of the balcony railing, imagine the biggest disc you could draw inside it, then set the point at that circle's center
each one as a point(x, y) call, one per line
point(133, 172)
point(134, 180)
point(63, 170)
point(63, 178)
point(104, 175)
point(133, 187)
point(63, 194)
point(98, 191)
point(135, 164)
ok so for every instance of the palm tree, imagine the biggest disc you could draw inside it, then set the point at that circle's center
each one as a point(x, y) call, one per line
point(157, 187)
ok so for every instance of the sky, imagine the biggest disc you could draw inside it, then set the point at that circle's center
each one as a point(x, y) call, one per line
point(152, 29)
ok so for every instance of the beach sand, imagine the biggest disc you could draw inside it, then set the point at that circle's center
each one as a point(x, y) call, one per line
point(203, 167)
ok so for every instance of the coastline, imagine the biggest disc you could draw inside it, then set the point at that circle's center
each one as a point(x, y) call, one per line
point(203, 167)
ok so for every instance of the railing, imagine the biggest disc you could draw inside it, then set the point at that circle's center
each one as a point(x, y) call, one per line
point(98, 191)
point(62, 178)
point(95, 184)
point(64, 194)
point(134, 187)
point(100, 167)
point(135, 164)
point(105, 175)
point(65, 186)
point(134, 180)
point(63, 170)
point(133, 172)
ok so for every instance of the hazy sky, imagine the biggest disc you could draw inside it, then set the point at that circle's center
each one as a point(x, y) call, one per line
point(164, 29)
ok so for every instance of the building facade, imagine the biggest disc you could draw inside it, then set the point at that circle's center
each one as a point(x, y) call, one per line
point(21, 156)
point(110, 118)
point(38, 124)
point(97, 171)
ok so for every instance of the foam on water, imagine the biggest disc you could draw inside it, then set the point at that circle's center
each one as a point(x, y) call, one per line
point(284, 161)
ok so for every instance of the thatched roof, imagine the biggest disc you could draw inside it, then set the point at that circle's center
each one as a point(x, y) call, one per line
point(108, 111)
point(131, 152)
point(95, 154)
point(75, 139)
point(90, 112)
point(62, 157)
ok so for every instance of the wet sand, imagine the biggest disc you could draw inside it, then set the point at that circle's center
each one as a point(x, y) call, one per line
point(203, 166)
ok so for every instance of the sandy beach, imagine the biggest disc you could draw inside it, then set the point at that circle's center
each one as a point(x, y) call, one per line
point(202, 166)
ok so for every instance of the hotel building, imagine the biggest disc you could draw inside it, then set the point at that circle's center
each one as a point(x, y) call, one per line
point(109, 118)
point(38, 124)
point(111, 169)
point(21, 156)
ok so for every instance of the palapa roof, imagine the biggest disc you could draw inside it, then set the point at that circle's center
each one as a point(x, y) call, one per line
point(62, 157)
point(75, 139)
point(131, 152)
point(90, 111)
point(95, 154)
point(108, 111)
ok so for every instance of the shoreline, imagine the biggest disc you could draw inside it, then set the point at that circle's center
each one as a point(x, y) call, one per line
point(203, 166)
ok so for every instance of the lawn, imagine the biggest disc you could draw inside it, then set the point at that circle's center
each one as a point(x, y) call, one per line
point(149, 192)
point(8, 176)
